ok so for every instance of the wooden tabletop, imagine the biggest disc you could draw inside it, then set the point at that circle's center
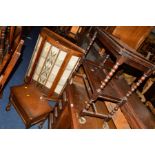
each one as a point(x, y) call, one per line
point(95, 75)
point(120, 49)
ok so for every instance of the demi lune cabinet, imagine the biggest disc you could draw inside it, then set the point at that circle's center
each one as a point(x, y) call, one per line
point(53, 61)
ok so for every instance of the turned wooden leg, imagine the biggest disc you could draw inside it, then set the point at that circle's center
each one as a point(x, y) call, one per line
point(1, 94)
point(41, 124)
point(104, 61)
point(8, 107)
point(134, 87)
point(98, 91)
point(124, 99)
point(28, 125)
point(115, 109)
point(91, 42)
point(50, 120)
point(137, 84)
point(110, 74)
point(91, 101)
point(86, 52)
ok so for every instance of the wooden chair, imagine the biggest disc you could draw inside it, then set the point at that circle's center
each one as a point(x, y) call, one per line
point(45, 78)
point(133, 36)
point(30, 104)
point(27, 99)
point(5, 75)
point(8, 45)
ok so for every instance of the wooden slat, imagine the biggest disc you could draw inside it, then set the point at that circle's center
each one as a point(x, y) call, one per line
point(11, 65)
point(119, 118)
point(36, 59)
point(5, 61)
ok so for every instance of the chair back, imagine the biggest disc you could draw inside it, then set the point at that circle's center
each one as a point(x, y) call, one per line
point(11, 64)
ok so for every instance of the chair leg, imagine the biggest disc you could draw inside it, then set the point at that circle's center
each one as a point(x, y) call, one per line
point(41, 124)
point(28, 125)
point(8, 107)
point(1, 94)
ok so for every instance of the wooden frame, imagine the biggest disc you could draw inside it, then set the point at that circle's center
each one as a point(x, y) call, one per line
point(124, 55)
point(66, 112)
point(13, 43)
point(64, 47)
point(10, 66)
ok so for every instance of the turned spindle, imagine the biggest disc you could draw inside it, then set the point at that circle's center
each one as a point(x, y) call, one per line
point(86, 52)
point(108, 77)
point(134, 87)
point(91, 42)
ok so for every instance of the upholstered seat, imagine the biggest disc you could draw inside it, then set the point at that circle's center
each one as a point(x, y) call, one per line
point(29, 102)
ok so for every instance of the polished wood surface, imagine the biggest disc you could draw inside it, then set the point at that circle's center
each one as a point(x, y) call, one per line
point(78, 98)
point(26, 98)
point(4, 62)
point(70, 49)
point(30, 104)
point(10, 66)
point(119, 118)
point(123, 54)
point(120, 49)
point(73, 103)
point(12, 41)
point(135, 114)
point(61, 41)
point(134, 110)
point(132, 35)
point(92, 69)
point(85, 104)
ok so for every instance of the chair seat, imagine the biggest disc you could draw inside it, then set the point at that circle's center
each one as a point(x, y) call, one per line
point(27, 98)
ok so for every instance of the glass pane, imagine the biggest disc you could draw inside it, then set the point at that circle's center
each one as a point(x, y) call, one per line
point(67, 73)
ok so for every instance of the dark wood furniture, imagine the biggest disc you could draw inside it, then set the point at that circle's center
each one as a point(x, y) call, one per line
point(74, 34)
point(83, 104)
point(10, 37)
point(14, 58)
point(9, 51)
point(53, 62)
point(136, 113)
point(30, 104)
point(99, 84)
point(27, 99)
point(66, 113)
point(133, 36)
point(10, 47)
point(146, 91)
